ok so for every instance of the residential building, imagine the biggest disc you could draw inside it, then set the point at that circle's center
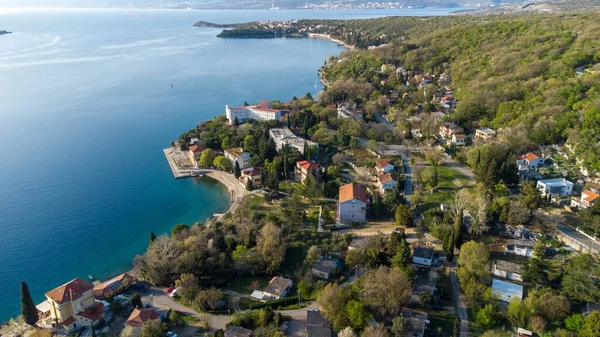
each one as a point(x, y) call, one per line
point(352, 203)
point(317, 325)
point(253, 174)
point(305, 168)
point(349, 110)
point(449, 128)
point(485, 134)
point(358, 242)
point(520, 247)
point(508, 270)
point(444, 78)
point(139, 317)
point(237, 331)
point(388, 67)
point(285, 137)
point(384, 166)
point(262, 111)
point(423, 255)
point(555, 187)
point(237, 154)
point(588, 198)
point(73, 305)
point(386, 182)
point(196, 151)
point(458, 139)
point(529, 162)
point(591, 307)
point(278, 287)
point(506, 291)
point(325, 267)
point(416, 322)
point(113, 286)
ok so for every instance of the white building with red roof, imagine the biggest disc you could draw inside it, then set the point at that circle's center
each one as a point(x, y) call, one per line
point(306, 167)
point(262, 111)
point(384, 166)
point(386, 182)
point(529, 162)
point(588, 198)
point(352, 203)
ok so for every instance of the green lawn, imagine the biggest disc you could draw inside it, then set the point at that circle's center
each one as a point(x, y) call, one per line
point(242, 284)
point(450, 180)
point(258, 204)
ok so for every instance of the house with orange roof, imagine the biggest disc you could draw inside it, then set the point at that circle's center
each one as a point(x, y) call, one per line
point(306, 167)
point(386, 182)
point(529, 162)
point(588, 198)
point(196, 150)
point(113, 286)
point(139, 317)
point(72, 305)
point(352, 203)
point(253, 174)
point(384, 166)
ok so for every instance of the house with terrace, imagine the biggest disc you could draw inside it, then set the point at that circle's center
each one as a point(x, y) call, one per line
point(528, 163)
point(237, 154)
point(72, 305)
point(559, 187)
point(587, 199)
point(252, 174)
point(113, 286)
point(305, 168)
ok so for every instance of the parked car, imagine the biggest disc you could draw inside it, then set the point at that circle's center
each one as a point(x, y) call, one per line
point(171, 334)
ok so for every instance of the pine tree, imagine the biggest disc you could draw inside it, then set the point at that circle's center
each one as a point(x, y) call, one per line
point(237, 172)
point(28, 309)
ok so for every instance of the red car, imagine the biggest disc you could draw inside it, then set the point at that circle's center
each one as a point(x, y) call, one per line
point(170, 289)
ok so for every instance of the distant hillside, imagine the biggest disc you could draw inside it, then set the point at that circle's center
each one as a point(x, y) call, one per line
point(542, 6)
point(2, 32)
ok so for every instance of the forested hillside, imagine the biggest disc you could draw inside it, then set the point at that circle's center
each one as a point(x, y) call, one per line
point(512, 72)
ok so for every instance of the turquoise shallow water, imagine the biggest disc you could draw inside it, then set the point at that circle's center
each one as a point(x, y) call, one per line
point(86, 106)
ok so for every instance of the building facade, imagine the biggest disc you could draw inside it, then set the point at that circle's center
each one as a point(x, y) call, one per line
point(237, 154)
point(305, 168)
point(555, 187)
point(262, 111)
point(72, 305)
point(285, 137)
point(352, 203)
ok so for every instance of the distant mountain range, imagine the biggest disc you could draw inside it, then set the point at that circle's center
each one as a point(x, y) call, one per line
point(250, 4)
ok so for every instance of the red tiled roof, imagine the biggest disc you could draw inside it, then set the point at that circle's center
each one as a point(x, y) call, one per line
point(590, 196)
point(252, 171)
point(308, 165)
point(110, 287)
point(459, 135)
point(93, 313)
point(266, 109)
point(385, 177)
point(353, 191)
point(196, 149)
point(263, 104)
point(63, 293)
point(68, 321)
point(529, 156)
point(140, 316)
point(382, 163)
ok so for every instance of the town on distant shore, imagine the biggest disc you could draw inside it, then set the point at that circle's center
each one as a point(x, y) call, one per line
point(444, 183)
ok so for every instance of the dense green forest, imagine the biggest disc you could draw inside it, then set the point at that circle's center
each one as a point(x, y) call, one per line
point(511, 72)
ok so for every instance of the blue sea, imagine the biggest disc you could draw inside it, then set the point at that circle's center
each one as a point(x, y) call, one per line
point(86, 107)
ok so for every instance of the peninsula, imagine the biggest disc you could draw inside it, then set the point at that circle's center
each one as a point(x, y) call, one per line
point(2, 32)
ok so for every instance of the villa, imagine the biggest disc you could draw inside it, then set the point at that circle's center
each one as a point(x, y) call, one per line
point(384, 166)
point(262, 111)
point(72, 305)
point(386, 182)
point(447, 129)
point(587, 199)
point(139, 317)
point(252, 174)
point(529, 162)
point(485, 134)
point(555, 187)
point(237, 154)
point(349, 110)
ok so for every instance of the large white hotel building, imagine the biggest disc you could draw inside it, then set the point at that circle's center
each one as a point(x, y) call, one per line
point(262, 111)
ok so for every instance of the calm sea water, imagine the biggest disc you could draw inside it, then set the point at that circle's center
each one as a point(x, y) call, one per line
point(86, 107)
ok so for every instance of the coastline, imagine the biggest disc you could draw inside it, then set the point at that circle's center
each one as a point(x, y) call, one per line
point(328, 37)
point(237, 192)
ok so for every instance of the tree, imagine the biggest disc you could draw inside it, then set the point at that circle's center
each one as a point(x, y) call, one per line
point(207, 158)
point(472, 272)
point(347, 332)
point(222, 163)
point(575, 322)
point(404, 217)
point(237, 172)
point(293, 211)
point(485, 317)
point(16, 327)
point(530, 196)
point(518, 313)
point(356, 313)
point(386, 290)
point(28, 309)
point(592, 325)
point(331, 302)
point(159, 263)
point(579, 280)
point(537, 324)
point(398, 326)
point(314, 252)
point(270, 247)
point(136, 300)
point(154, 328)
point(152, 237)
point(536, 272)
point(179, 228)
point(379, 331)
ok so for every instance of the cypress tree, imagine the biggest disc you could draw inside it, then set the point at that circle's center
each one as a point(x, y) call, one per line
point(28, 309)
point(237, 172)
point(152, 237)
point(306, 154)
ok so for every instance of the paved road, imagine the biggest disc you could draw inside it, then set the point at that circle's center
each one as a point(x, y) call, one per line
point(579, 238)
point(408, 185)
point(461, 308)
point(459, 167)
